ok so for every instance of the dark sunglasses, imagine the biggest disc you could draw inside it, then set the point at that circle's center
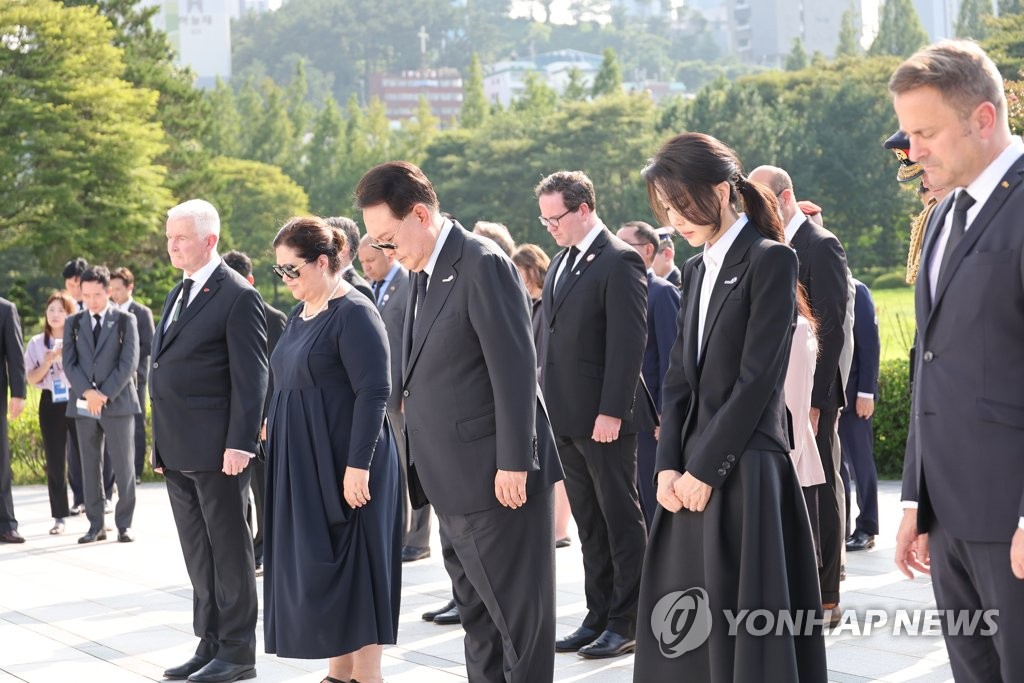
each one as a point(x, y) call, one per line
point(288, 270)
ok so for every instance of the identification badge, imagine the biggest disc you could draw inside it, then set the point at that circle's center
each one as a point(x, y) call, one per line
point(60, 391)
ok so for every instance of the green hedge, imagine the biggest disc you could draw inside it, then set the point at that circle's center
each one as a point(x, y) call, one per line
point(892, 415)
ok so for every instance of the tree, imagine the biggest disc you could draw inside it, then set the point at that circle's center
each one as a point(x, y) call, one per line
point(1005, 45)
point(609, 77)
point(224, 134)
point(273, 133)
point(576, 88)
point(797, 57)
point(538, 99)
point(474, 102)
point(418, 132)
point(849, 33)
point(327, 148)
point(1010, 7)
point(900, 32)
point(970, 22)
point(78, 143)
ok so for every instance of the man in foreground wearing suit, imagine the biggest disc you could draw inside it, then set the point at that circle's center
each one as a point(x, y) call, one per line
point(478, 441)
point(122, 285)
point(12, 374)
point(101, 357)
point(595, 306)
point(348, 271)
point(207, 387)
point(963, 474)
point(276, 320)
point(662, 310)
point(824, 277)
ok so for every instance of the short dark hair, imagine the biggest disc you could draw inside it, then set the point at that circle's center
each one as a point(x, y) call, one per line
point(312, 237)
point(645, 233)
point(238, 262)
point(124, 275)
point(398, 184)
point(75, 267)
point(575, 187)
point(98, 274)
point(959, 69)
point(350, 229)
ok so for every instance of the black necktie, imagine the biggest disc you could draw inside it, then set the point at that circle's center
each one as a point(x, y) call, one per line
point(570, 261)
point(421, 294)
point(186, 289)
point(96, 328)
point(376, 290)
point(964, 201)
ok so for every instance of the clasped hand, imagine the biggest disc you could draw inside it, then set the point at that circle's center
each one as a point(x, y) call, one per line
point(677, 491)
point(510, 488)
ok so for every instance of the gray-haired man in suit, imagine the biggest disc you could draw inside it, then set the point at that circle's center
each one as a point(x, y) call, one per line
point(101, 355)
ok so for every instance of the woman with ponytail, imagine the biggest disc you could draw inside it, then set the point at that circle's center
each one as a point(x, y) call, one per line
point(731, 530)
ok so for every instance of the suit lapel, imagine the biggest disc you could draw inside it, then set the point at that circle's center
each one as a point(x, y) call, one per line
point(547, 296)
point(206, 292)
point(85, 332)
point(729, 275)
point(158, 333)
point(695, 276)
point(577, 272)
point(106, 329)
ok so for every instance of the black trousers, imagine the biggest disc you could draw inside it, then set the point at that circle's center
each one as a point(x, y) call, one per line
point(140, 427)
point(54, 425)
point(830, 521)
point(7, 520)
point(600, 479)
point(502, 565)
point(858, 467)
point(209, 511)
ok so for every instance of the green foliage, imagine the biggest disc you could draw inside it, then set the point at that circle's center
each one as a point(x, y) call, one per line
point(797, 57)
point(576, 88)
point(849, 34)
point(900, 32)
point(474, 102)
point(224, 134)
point(608, 80)
point(895, 279)
point(1005, 45)
point(891, 418)
point(970, 22)
point(1010, 7)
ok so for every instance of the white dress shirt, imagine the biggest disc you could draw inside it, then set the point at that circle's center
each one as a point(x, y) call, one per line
point(583, 245)
point(714, 256)
point(793, 225)
point(199, 279)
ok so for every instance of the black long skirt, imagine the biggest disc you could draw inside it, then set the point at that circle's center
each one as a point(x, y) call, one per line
point(750, 549)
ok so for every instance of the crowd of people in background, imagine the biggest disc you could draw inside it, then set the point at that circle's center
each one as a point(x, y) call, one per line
point(703, 425)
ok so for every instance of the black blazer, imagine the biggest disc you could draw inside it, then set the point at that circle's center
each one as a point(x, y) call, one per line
point(276, 321)
point(731, 400)
point(963, 461)
point(867, 347)
point(208, 380)
point(470, 383)
point(144, 320)
point(12, 360)
point(823, 274)
point(393, 306)
point(662, 311)
point(358, 281)
point(597, 331)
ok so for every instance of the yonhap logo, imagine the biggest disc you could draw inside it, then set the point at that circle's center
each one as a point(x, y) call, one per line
point(681, 621)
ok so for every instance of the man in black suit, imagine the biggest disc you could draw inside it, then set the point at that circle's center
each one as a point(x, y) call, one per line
point(391, 294)
point(595, 306)
point(276, 320)
point(855, 433)
point(662, 311)
point(963, 474)
point(824, 276)
point(207, 388)
point(12, 375)
point(348, 271)
point(122, 286)
point(664, 265)
point(101, 357)
point(478, 441)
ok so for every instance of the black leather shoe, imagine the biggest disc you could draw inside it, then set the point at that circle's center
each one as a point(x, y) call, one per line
point(411, 553)
point(97, 535)
point(448, 618)
point(861, 540)
point(429, 616)
point(608, 644)
point(125, 536)
point(577, 639)
point(187, 669)
point(11, 536)
point(219, 671)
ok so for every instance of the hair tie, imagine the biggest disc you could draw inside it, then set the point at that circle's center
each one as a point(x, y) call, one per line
point(741, 181)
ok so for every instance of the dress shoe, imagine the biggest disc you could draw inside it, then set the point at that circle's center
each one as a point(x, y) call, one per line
point(11, 536)
point(861, 540)
point(563, 542)
point(125, 536)
point(448, 618)
point(429, 616)
point(411, 553)
point(577, 639)
point(219, 671)
point(77, 509)
point(187, 669)
point(608, 644)
point(97, 535)
point(259, 569)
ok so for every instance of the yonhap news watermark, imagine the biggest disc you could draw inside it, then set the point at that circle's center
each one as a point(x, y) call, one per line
point(682, 620)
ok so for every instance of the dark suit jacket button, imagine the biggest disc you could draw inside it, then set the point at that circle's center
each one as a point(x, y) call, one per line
point(156, 365)
point(928, 355)
point(405, 393)
point(722, 472)
point(730, 458)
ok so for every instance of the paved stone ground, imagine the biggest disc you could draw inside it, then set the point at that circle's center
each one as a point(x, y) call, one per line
point(118, 613)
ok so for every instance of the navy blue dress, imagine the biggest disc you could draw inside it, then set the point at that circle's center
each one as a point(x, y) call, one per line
point(332, 573)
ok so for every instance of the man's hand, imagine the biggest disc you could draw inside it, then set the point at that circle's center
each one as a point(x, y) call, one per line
point(865, 407)
point(693, 493)
point(356, 486)
point(657, 433)
point(667, 497)
point(510, 488)
point(911, 547)
point(263, 431)
point(815, 416)
point(94, 401)
point(606, 429)
point(234, 461)
point(1017, 553)
point(15, 407)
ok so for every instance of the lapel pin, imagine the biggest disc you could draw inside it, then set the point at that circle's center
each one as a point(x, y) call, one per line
point(590, 258)
point(448, 279)
point(731, 281)
point(1005, 184)
point(206, 289)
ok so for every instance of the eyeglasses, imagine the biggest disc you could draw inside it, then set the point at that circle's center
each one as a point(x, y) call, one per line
point(553, 222)
point(389, 244)
point(288, 270)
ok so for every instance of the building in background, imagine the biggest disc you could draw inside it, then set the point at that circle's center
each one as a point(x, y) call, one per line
point(401, 93)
